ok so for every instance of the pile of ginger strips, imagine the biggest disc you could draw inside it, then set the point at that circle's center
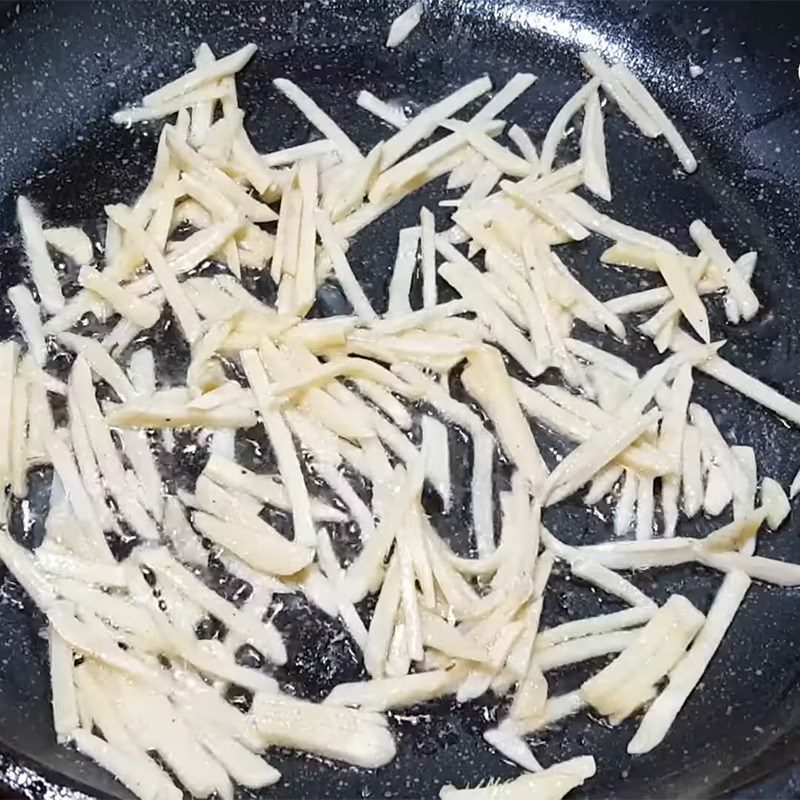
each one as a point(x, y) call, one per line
point(359, 413)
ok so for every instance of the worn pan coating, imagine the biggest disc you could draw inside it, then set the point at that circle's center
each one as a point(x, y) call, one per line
point(64, 67)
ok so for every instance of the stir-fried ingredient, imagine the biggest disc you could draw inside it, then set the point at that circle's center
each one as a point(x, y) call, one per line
point(362, 414)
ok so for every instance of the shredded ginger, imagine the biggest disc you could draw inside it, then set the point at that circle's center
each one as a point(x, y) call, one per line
point(322, 455)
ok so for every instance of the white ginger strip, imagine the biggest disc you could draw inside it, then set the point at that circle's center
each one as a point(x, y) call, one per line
point(386, 401)
point(506, 161)
point(511, 746)
point(427, 257)
point(768, 570)
point(319, 119)
point(202, 113)
point(85, 458)
point(58, 562)
point(169, 408)
point(585, 648)
point(156, 725)
point(289, 155)
point(343, 734)
point(214, 71)
point(674, 423)
point(336, 576)
point(305, 282)
point(746, 458)
point(365, 572)
point(447, 639)
point(513, 88)
point(133, 769)
point(392, 114)
point(142, 371)
point(281, 439)
point(254, 541)
point(30, 321)
point(71, 242)
point(383, 621)
point(22, 565)
point(739, 288)
point(680, 282)
point(598, 575)
point(617, 91)
point(137, 449)
point(201, 95)
point(40, 417)
point(173, 291)
point(775, 503)
point(737, 379)
point(403, 24)
point(403, 272)
point(603, 623)
point(484, 182)
point(43, 271)
point(644, 507)
point(593, 149)
point(591, 456)
point(344, 274)
point(213, 186)
point(140, 312)
point(481, 487)
point(436, 454)
point(486, 379)
point(641, 96)
point(556, 708)
point(108, 458)
point(426, 122)
point(264, 638)
point(628, 681)
point(594, 307)
point(575, 426)
point(556, 131)
point(602, 484)
point(463, 176)
point(602, 358)
point(466, 280)
point(625, 507)
point(347, 194)
point(552, 783)
point(62, 684)
point(746, 265)
point(245, 767)
point(18, 453)
point(182, 537)
point(635, 554)
point(382, 694)
point(525, 146)
point(411, 173)
point(409, 598)
point(267, 182)
point(721, 454)
point(324, 375)
point(795, 486)
point(101, 363)
point(81, 503)
point(688, 672)
point(735, 534)
point(262, 487)
point(691, 472)
point(584, 213)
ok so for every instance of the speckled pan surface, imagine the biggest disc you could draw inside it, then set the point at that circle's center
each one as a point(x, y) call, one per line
point(65, 67)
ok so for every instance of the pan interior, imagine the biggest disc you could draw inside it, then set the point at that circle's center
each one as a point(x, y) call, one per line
point(65, 67)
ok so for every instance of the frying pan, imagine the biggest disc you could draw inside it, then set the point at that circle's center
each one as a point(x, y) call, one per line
point(64, 67)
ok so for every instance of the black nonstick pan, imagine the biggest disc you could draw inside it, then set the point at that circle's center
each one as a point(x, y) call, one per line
point(65, 67)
